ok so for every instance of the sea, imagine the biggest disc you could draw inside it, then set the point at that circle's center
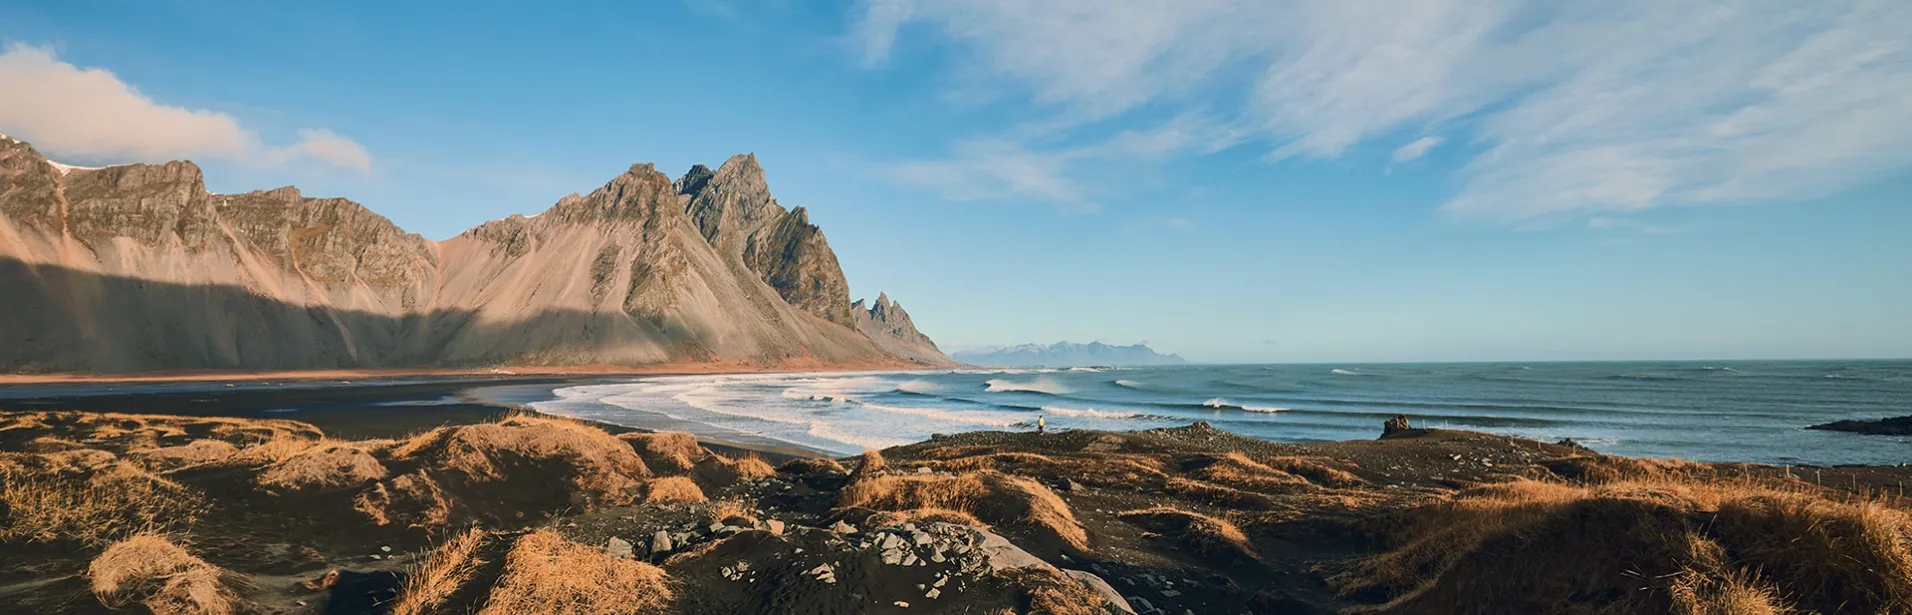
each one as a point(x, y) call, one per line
point(1704, 411)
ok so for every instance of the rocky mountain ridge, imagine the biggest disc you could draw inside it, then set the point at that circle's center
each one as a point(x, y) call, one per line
point(139, 267)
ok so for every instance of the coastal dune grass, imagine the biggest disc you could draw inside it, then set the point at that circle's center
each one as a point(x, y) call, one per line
point(438, 577)
point(994, 497)
point(165, 578)
point(1203, 534)
point(531, 459)
point(671, 489)
point(1643, 545)
point(48, 500)
point(546, 574)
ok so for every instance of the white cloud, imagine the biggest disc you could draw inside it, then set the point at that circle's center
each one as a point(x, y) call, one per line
point(324, 145)
point(90, 115)
point(1416, 149)
point(1579, 109)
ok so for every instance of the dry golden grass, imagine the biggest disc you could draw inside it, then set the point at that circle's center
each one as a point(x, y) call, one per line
point(548, 575)
point(413, 498)
point(91, 506)
point(162, 576)
point(1317, 471)
point(430, 583)
point(1205, 535)
point(1109, 470)
point(922, 515)
point(127, 432)
point(189, 454)
point(751, 466)
point(673, 489)
point(733, 512)
point(325, 465)
point(813, 465)
point(868, 464)
point(1606, 469)
point(1237, 470)
point(995, 497)
point(50, 444)
point(1044, 591)
point(667, 451)
point(1218, 495)
point(1701, 547)
point(529, 449)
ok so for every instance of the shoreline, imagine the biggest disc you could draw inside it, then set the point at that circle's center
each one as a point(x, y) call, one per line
point(658, 369)
point(387, 406)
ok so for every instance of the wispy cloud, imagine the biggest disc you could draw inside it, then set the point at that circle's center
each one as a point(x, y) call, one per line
point(1577, 110)
point(1415, 149)
point(90, 115)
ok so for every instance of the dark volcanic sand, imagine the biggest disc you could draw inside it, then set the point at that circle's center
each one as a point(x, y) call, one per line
point(350, 409)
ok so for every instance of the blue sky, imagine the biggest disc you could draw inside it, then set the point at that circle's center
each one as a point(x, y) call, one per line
point(1278, 181)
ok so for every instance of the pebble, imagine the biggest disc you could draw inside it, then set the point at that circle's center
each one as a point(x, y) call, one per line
point(843, 528)
point(775, 527)
point(902, 604)
point(385, 549)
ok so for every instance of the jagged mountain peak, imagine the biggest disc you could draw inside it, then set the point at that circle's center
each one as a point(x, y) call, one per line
point(273, 279)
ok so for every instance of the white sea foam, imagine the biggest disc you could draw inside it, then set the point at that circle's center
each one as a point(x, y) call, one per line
point(1089, 413)
point(1039, 385)
point(1128, 383)
point(832, 433)
point(1218, 403)
point(1264, 408)
point(964, 417)
point(923, 387)
point(1344, 372)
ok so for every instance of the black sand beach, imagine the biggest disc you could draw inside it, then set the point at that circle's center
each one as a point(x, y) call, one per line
point(353, 409)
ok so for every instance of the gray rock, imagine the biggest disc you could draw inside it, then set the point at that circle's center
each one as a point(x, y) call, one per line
point(843, 528)
point(1101, 588)
point(661, 542)
point(618, 548)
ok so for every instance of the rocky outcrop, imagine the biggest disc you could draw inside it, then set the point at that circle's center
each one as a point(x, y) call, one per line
point(890, 327)
point(139, 267)
point(734, 212)
point(1896, 426)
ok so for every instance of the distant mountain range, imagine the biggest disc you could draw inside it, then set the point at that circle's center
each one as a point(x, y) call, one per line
point(1066, 354)
point(138, 267)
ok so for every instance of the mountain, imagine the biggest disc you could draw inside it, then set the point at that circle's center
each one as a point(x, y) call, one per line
point(138, 267)
point(1065, 354)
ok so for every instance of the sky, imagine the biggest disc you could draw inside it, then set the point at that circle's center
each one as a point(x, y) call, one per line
point(1230, 180)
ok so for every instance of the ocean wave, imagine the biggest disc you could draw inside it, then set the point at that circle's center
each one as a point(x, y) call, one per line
point(1085, 369)
point(1131, 384)
point(1219, 403)
point(832, 433)
point(1345, 372)
point(1647, 377)
point(1039, 385)
point(1090, 413)
point(919, 387)
point(803, 395)
point(965, 417)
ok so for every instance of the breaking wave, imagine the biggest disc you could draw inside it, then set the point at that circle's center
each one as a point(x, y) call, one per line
point(1045, 386)
point(1090, 413)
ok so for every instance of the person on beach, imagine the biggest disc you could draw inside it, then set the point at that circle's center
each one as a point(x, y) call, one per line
point(1042, 426)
